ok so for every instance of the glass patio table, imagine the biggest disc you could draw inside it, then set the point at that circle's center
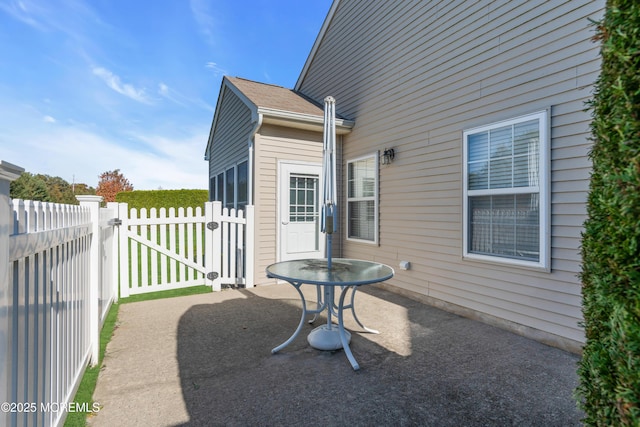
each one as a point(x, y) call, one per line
point(344, 274)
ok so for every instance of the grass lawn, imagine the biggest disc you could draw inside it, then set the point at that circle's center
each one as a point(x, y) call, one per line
point(84, 395)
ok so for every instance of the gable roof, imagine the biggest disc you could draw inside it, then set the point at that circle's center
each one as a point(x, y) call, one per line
point(268, 97)
point(281, 106)
point(277, 105)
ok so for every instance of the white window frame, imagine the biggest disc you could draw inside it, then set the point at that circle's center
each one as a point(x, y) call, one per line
point(375, 156)
point(221, 176)
point(543, 190)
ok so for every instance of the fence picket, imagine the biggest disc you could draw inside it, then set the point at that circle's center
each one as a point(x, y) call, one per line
point(164, 268)
point(154, 238)
point(49, 290)
point(123, 243)
point(199, 249)
point(182, 249)
point(173, 265)
point(134, 279)
point(144, 253)
point(189, 243)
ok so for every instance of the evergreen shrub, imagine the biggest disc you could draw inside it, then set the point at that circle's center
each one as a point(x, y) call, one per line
point(163, 198)
point(609, 388)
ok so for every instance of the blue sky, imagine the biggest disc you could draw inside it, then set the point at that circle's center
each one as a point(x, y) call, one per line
point(88, 86)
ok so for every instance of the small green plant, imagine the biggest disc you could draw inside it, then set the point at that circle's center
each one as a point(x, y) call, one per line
point(192, 290)
point(84, 395)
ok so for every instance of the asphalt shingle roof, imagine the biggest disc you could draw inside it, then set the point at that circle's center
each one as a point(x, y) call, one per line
point(276, 97)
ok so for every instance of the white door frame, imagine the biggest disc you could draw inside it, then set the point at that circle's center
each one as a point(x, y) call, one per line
point(285, 167)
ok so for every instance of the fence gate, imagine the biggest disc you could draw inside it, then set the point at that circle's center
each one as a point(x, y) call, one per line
point(177, 248)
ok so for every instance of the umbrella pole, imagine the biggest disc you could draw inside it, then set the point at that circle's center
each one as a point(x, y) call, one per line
point(329, 231)
point(329, 251)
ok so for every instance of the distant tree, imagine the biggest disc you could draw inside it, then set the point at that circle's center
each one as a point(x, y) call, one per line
point(45, 188)
point(59, 190)
point(80, 189)
point(112, 183)
point(29, 187)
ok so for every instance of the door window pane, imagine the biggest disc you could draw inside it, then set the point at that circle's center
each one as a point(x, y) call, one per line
point(303, 198)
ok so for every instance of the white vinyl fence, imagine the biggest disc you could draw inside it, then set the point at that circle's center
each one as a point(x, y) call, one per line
point(165, 249)
point(57, 282)
point(60, 266)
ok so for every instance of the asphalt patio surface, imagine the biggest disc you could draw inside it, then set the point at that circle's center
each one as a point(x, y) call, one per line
point(205, 360)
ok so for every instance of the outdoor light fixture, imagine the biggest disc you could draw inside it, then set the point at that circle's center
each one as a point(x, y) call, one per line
point(387, 156)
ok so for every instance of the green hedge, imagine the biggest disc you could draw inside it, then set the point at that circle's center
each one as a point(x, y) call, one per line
point(609, 389)
point(163, 198)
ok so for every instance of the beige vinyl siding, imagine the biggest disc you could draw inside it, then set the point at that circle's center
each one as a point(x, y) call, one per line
point(272, 145)
point(413, 76)
point(231, 135)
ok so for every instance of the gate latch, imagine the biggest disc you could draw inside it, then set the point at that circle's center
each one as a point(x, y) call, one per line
point(212, 225)
point(212, 275)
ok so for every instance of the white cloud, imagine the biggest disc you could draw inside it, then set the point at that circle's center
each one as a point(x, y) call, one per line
point(163, 89)
point(128, 90)
point(205, 19)
point(25, 12)
point(171, 94)
point(217, 70)
point(180, 99)
point(48, 119)
point(76, 152)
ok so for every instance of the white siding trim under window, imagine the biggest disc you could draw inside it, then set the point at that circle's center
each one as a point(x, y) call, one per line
point(362, 199)
point(506, 192)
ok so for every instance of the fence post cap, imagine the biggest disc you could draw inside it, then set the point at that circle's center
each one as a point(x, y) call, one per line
point(89, 198)
point(9, 171)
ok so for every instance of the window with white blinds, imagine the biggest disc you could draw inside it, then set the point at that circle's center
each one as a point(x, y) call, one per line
point(362, 199)
point(505, 191)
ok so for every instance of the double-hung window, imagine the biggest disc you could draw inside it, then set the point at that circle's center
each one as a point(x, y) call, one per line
point(362, 199)
point(506, 191)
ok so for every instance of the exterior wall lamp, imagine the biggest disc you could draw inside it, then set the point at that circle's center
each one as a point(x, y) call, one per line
point(387, 156)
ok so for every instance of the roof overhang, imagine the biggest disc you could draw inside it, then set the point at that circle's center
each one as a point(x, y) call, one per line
point(262, 115)
point(301, 121)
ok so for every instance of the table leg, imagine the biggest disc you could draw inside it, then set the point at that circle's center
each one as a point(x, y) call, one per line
point(353, 311)
point(319, 303)
point(343, 335)
point(299, 328)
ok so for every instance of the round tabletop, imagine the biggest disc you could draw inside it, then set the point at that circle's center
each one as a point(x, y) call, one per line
point(343, 272)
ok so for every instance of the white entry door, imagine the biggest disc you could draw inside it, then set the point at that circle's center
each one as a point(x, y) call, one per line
point(300, 191)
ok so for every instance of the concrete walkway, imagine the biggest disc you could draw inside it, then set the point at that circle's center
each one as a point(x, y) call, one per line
point(205, 360)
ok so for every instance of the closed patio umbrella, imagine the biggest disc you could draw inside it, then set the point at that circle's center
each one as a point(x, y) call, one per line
point(328, 222)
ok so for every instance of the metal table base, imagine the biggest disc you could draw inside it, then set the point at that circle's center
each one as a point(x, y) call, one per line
point(330, 336)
